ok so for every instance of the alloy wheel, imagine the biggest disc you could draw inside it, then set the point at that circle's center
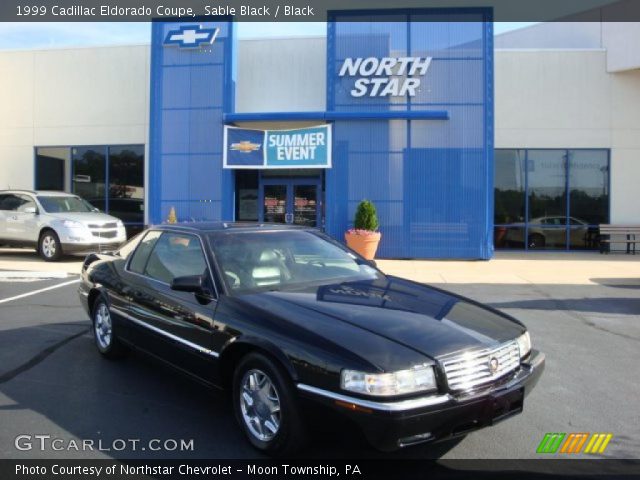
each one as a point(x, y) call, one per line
point(49, 246)
point(260, 405)
point(103, 327)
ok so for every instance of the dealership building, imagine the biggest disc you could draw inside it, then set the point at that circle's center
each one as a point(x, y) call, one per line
point(465, 142)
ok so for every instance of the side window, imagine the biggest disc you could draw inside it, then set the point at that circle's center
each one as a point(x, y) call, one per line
point(130, 246)
point(176, 255)
point(26, 202)
point(10, 202)
point(139, 259)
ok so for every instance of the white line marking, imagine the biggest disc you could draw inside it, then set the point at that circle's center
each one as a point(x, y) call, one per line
point(28, 274)
point(35, 292)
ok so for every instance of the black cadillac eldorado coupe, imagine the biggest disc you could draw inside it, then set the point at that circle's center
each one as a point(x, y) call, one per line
point(287, 318)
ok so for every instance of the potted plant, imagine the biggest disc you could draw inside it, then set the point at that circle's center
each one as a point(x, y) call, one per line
point(364, 237)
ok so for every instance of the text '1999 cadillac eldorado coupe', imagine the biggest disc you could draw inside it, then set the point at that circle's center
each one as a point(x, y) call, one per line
point(289, 319)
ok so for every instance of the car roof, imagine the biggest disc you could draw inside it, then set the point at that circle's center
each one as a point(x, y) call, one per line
point(229, 226)
point(53, 193)
point(48, 193)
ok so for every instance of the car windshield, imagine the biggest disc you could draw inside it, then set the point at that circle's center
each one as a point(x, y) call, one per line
point(284, 260)
point(60, 204)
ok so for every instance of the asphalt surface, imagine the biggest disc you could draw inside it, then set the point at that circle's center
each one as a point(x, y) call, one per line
point(53, 382)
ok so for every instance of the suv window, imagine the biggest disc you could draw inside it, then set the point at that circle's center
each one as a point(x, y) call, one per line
point(27, 202)
point(176, 255)
point(141, 255)
point(11, 202)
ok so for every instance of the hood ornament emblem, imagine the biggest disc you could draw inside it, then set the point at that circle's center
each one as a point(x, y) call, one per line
point(494, 364)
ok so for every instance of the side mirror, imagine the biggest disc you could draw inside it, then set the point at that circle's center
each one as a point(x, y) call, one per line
point(33, 210)
point(372, 263)
point(190, 283)
point(96, 210)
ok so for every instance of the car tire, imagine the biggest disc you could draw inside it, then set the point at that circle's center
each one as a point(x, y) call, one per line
point(49, 246)
point(536, 241)
point(266, 406)
point(106, 340)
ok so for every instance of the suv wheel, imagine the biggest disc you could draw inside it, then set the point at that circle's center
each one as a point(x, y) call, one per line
point(49, 246)
point(266, 407)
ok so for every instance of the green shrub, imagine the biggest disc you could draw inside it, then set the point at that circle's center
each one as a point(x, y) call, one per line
point(366, 217)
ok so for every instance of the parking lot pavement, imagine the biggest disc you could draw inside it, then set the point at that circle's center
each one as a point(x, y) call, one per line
point(28, 260)
point(53, 382)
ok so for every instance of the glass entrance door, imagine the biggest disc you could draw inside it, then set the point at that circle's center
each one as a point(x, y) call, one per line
point(290, 200)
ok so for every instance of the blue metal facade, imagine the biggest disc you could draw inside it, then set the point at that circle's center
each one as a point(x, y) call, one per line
point(426, 161)
point(191, 90)
point(431, 180)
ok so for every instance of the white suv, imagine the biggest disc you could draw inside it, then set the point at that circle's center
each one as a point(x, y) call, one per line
point(55, 223)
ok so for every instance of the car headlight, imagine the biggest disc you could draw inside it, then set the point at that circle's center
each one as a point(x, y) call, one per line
point(524, 344)
point(72, 224)
point(417, 379)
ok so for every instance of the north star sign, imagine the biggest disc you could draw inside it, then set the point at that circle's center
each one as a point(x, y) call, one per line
point(385, 77)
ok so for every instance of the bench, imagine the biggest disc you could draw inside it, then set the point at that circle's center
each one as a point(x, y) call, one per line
point(628, 235)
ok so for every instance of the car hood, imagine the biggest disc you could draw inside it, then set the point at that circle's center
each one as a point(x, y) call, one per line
point(85, 217)
point(424, 319)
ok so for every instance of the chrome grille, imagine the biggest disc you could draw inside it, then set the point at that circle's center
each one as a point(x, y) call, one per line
point(108, 234)
point(473, 369)
point(104, 225)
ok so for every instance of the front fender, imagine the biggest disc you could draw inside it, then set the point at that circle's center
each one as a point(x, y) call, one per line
point(237, 347)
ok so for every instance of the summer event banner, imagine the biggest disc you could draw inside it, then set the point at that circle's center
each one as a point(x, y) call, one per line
point(300, 148)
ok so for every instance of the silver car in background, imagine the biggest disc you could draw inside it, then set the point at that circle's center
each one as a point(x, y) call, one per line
point(56, 223)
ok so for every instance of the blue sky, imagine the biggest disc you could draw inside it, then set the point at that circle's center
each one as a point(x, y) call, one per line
point(60, 34)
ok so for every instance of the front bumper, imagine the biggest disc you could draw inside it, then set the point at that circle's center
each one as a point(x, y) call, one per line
point(87, 248)
point(393, 425)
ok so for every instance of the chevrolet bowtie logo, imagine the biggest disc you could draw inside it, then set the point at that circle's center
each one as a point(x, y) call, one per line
point(245, 146)
point(191, 36)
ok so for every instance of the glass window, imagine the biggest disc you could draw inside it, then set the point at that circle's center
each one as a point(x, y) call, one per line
point(547, 196)
point(589, 186)
point(52, 163)
point(126, 183)
point(139, 259)
point(11, 202)
point(176, 255)
point(281, 260)
point(57, 204)
point(566, 193)
point(89, 174)
point(509, 186)
point(246, 196)
point(130, 246)
point(27, 202)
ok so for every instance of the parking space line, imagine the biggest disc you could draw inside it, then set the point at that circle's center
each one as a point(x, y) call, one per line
point(35, 292)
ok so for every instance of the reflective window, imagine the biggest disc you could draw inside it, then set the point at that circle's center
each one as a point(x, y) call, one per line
point(89, 173)
point(126, 184)
point(111, 178)
point(60, 204)
point(176, 255)
point(51, 165)
point(10, 202)
point(589, 186)
point(547, 196)
point(141, 255)
point(509, 186)
point(27, 202)
point(550, 199)
point(283, 260)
